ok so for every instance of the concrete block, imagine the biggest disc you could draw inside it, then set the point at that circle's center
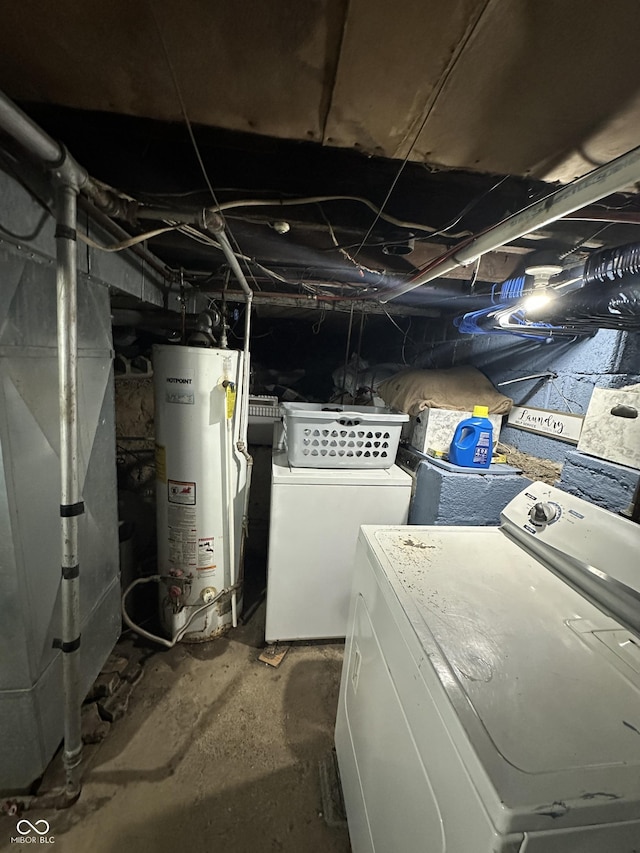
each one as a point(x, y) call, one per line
point(94, 728)
point(473, 499)
point(605, 484)
point(114, 663)
point(114, 707)
point(629, 353)
point(537, 445)
point(105, 684)
point(132, 672)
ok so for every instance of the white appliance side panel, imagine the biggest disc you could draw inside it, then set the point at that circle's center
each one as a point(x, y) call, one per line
point(547, 717)
point(405, 786)
point(312, 542)
point(285, 473)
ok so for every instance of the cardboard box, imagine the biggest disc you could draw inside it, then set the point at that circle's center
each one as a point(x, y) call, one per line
point(435, 428)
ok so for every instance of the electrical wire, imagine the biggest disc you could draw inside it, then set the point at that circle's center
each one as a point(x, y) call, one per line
point(169, 644)
point(129, 242)
point(318, 324)
point(399, 328)
point(582, 242)
point(474, 277)
point(344, 252)
point(433, 100)
point(199, 237)
point(204, 239)
point(473, 203)
point(404, 342)
point(319, 199)
point(194, 143)
point(26, 238)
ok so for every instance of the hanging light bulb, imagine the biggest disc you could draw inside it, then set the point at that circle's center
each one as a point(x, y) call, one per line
point(542, 267)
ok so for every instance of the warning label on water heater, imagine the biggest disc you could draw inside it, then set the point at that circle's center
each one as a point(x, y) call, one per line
point(183, 538)
point(205, 554)
point(181, 493)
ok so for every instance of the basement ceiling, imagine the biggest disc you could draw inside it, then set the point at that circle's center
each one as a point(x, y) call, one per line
point(487, 101)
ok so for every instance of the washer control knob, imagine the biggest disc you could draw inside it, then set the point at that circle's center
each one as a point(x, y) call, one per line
point(542, 513)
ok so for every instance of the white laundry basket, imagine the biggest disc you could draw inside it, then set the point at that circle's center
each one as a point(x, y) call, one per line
point(326, 435)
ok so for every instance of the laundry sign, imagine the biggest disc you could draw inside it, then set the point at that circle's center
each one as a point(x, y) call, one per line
point(564, 426)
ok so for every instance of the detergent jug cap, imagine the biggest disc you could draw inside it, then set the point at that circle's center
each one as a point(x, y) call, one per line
point(480, 411)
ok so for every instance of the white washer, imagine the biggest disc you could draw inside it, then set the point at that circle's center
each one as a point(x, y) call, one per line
point(316, 514)
point(490, 695)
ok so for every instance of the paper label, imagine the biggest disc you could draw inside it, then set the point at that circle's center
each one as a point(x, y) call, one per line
point(181, 492)
point(183, 538)
point(206, 558)
point(231, 400)
point(179, 387)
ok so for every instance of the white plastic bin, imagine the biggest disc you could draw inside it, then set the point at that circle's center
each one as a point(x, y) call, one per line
point(263, 413)
point(326, 435)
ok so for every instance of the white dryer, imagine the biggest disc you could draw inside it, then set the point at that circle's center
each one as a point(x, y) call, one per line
point(490, 695)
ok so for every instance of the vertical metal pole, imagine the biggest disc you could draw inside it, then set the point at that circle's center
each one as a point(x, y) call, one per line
point(346, 357)
point(71, 506)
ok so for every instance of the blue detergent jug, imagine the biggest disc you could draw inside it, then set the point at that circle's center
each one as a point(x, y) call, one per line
point(472, 443)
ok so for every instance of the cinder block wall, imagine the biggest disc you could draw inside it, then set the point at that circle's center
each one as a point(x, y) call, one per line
point(609, 359)
point(603, 483)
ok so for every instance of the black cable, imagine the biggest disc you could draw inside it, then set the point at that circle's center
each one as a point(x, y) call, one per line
point(464, 211)
point(192, 135)
point(433, 98)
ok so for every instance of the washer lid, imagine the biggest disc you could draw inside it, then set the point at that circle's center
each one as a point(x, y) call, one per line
point(549, 705)
point(284, 473)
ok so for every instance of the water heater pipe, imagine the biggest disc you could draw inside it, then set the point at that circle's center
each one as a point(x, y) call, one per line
point(169, 644)
point(217, 226)
point(229, 497)
point(601, 182)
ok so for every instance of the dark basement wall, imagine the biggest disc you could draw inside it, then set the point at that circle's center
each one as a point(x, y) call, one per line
point(609, 359)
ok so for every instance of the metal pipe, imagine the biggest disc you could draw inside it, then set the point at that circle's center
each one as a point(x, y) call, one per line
point(547, 375)
point(71, 506)
point(601, 182)
point(64, 168)
point(38, 143)
point(243, 428)
point(346, 355)
point(169, 644)
point(230, 500)
point(201, 217)
point(217, 227)
point(262, 297)
point(225, 245)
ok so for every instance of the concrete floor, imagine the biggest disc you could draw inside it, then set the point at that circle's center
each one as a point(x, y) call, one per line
point(216, 752)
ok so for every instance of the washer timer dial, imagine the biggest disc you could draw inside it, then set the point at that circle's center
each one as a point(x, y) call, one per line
point(542, 514)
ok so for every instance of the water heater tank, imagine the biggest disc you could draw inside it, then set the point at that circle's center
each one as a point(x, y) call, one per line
point(199, 475)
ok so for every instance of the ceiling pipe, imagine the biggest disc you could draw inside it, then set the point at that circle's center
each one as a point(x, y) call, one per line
point(598, 184)
point(63, 166)
point(38, 143)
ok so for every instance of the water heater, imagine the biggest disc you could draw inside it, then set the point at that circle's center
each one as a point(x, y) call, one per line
point(200, 487)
